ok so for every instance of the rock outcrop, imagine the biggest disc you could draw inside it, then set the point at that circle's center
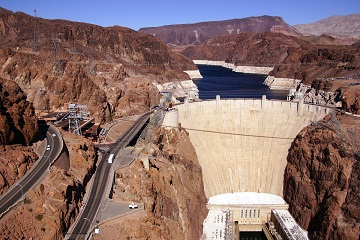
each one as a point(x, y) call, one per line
point(15, 160)
point(321, 181)
point(18, 123)
point(171, 189)
point(58, 61)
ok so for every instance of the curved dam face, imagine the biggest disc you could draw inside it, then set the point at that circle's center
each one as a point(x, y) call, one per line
point(242, 144)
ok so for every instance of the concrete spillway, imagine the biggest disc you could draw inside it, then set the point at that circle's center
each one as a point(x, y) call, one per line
point(242, 144)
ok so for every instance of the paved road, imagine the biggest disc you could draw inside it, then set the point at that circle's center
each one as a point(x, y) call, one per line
point(19, 190)
point(86, 218)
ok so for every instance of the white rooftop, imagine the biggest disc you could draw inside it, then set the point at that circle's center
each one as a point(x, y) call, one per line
point(246, 198)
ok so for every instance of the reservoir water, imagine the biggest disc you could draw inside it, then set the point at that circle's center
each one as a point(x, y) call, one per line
point(228, 84)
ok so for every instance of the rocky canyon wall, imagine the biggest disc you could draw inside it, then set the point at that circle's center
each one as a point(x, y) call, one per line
point(321, 181)
point(171, 189)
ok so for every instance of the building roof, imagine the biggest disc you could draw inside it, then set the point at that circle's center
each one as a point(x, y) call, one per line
point(289, 225)
point(215, 225)
point(246, 198)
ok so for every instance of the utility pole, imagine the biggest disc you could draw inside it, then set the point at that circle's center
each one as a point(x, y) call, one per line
point(36, 45)
point(55, 48)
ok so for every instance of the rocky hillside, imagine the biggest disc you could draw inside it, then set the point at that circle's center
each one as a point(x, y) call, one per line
point(50, 208)
point(193, 34)
point(336, 26)
point(291, 57)
point(321, 181)
point(171, 189)
point(18, 130)
point(57, 61)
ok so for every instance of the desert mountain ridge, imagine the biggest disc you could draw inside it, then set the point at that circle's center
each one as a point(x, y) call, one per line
point(345, 29)
point(336, 26)
point(192, 34)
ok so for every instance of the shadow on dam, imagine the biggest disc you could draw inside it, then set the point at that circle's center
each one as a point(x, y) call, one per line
point(242, 144)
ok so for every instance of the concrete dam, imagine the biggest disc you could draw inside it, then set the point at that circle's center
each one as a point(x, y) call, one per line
point(242, 144)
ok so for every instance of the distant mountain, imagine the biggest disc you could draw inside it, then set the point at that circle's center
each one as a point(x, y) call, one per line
point(193, 34)
point(335, 26)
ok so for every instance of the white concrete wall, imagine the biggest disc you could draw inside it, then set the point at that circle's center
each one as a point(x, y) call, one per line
point(235, 68)
point(281, 83)
point(242, 144)
point(194, 74)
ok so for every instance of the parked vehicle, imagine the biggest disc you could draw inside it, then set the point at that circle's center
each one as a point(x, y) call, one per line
point(133, 206)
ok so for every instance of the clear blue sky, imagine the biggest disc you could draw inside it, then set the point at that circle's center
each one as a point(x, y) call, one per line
point(146, 13)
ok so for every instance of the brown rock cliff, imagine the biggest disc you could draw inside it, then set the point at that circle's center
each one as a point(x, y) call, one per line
point(171, 190)
point(18, 123)
point(321, 181)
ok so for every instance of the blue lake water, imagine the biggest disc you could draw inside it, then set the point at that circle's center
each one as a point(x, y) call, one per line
point(228, 84)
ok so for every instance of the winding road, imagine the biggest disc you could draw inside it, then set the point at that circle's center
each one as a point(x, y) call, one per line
point(85, 220)
point(18, 191)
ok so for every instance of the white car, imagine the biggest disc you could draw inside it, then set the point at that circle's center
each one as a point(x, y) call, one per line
point(133, 206)
point(48, 147)
point(54, 135)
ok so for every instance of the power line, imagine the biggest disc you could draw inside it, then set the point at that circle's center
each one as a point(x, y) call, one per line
point(202, 130)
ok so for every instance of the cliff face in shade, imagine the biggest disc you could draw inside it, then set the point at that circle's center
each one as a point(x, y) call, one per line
point(18, 130)
point(197, 33)
point(172, 191)
point(291, 57)
point(18, 123)
point(58, 61)
point(321, 181)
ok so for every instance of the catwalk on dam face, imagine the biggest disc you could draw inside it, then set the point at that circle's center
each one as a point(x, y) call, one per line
point(242, 144)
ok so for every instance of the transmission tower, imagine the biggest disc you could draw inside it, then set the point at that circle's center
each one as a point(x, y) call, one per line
point(76, 114)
